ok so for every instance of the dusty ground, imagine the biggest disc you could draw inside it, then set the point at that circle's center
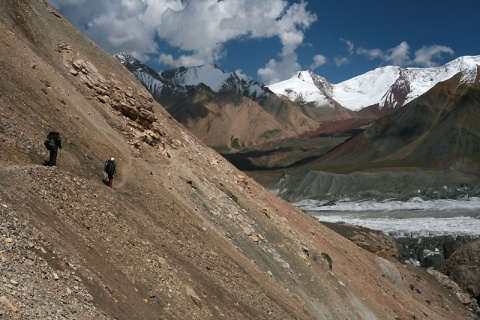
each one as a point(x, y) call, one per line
point(182, 234)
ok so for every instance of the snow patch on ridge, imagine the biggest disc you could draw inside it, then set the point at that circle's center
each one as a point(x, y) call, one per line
point(218, 80)
point(365, 90)
point(209, 74)
point(301, 87)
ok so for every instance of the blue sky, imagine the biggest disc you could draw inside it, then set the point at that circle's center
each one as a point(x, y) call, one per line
point(270, 40)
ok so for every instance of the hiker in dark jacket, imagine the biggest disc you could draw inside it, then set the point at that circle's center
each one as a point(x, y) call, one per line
point(53, 143)
point(110, 170)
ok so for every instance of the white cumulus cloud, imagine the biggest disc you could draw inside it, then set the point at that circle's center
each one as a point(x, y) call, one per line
point(276, 71)
point(318, 61)
point(425, 55)
point(340, 61)
point(349, 44)
point(398, 56)
point(401, 56)
point(371, 54)
point(197, 29)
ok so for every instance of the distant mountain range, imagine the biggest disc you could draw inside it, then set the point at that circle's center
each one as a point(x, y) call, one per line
point(439, 129)
point(225, 110)
point(384, 87)
point(181, 79)
point(233, 113)
point(387, 87)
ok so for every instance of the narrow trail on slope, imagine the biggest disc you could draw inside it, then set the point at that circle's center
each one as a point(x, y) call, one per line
point(128, 168)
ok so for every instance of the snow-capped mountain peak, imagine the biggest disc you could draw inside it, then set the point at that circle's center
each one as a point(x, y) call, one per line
point(306, 76)
point(306, 86)
point(216, 79)
point(210, 75)
point(123, 57)
point(389, 86)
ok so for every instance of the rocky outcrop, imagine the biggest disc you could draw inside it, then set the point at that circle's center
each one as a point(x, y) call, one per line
point(460, 292)
point(463, 267)
point(371, 240)
point(429, 251)
point(135, 105)
point(129, 102)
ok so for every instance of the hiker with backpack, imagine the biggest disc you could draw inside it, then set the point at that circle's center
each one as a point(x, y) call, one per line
point(53, 143)
point(109, 169)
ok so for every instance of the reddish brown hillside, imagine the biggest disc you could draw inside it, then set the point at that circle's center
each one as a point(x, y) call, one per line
point(230, 122)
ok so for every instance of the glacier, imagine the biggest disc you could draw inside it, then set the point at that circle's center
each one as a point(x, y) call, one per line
point(413, 218)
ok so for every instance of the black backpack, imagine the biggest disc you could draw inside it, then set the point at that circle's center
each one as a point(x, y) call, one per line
point(50, 142)
point(110, 168)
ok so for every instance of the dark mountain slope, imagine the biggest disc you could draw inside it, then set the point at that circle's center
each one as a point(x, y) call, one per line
point(433, 131)
point(182, 234)
point(225, 121)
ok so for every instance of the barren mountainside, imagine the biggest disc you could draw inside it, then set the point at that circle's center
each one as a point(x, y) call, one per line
point(182, 234)
point(437, 130)
point(224, 110)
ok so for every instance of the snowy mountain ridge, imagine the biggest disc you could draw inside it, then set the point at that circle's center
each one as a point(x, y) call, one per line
point(147, 76)
point(388, 86)
point(181, 78)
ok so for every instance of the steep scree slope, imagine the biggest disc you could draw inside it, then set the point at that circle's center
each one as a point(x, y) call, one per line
point(182, 234)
